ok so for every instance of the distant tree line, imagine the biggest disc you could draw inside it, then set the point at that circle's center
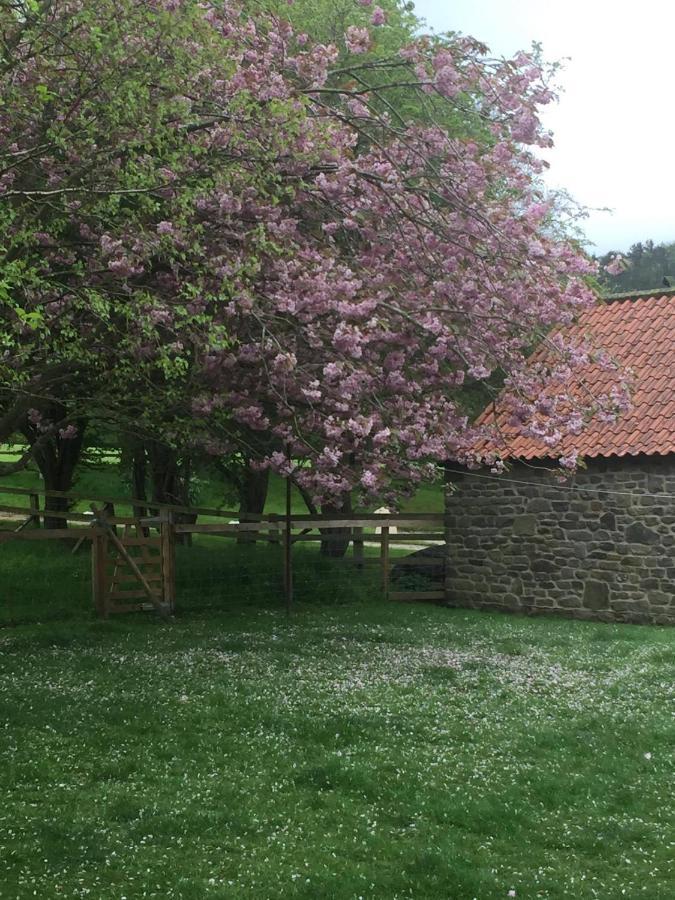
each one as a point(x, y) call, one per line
point(648, 266)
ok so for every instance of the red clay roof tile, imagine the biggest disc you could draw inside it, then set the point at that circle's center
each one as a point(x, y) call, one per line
point(640, 332)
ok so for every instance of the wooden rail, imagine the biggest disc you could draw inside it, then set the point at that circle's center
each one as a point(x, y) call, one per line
point(311, 528)
point(386, 531)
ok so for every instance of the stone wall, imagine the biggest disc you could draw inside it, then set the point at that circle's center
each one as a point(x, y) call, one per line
point(601, 546)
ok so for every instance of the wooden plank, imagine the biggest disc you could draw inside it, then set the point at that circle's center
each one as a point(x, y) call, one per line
point(121, 520)
point(24, 524)
point(417, 537)
point(18, 490)
point(127, 501)
point(50, 534)
point(417, 595)
point(131, 595)
point(35, 509)
point(53, 514)
point(15, 510)
point(123, 577)
point(384, 557)
point(273, 536)
point(288, 547)
point(357, 546)
point(168, 561)
point(217, 528)
point(130, 578)
point(211, 528)
point(65, 515)
point(313, 522)
point(142, 542)
point(145, 565)
point(360, 521)
point(98, 573)
point(328, 519)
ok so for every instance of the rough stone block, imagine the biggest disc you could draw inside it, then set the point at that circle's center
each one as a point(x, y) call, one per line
point(539, 505)
point(525, 525)
point(569, 602)
point(629, 562)
point(596, 595)
point(544, 565)
point(637, 533)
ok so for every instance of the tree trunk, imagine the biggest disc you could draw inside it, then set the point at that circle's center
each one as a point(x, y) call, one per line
point(138, 476)
point(166, 486)
point(252, 490)
point(335, 541)
point(57, 460)
point(170, 482)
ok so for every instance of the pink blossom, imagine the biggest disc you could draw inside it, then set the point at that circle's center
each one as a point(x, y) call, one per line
point(284, 362)
point(357, 39)
point(368, 479)
point(124, 267)
point(616, 265)
point(570, 461)
point(110, 245)
point(379, 16)
point(448, 80)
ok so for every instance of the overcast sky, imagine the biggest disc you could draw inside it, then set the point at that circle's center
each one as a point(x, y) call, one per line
point(614, 126)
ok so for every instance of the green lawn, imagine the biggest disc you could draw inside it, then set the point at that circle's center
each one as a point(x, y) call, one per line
point(361, 749)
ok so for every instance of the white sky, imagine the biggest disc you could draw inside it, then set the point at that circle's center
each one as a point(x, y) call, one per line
point(614, 126)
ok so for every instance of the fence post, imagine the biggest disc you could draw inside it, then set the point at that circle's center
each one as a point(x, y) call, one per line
point(357, 546)
point(35, 509)
point(109, 510)
point(384, 558)
point(274, 528)
point(167, 535)
point(99, 580)
point(288, 551)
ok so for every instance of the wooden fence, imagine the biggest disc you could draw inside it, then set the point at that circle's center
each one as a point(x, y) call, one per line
point(134, 562)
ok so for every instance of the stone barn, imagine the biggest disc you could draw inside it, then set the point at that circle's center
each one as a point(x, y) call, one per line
point(601, 546)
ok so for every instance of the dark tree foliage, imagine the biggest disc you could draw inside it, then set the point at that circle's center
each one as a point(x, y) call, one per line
point(648, 266)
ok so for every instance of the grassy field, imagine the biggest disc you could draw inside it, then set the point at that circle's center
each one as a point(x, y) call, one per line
point(359, 750)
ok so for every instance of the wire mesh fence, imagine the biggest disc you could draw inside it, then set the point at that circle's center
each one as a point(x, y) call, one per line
point(214, 562)
point(44, 581)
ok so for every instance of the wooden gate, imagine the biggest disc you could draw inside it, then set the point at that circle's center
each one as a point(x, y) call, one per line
point(135, 570)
